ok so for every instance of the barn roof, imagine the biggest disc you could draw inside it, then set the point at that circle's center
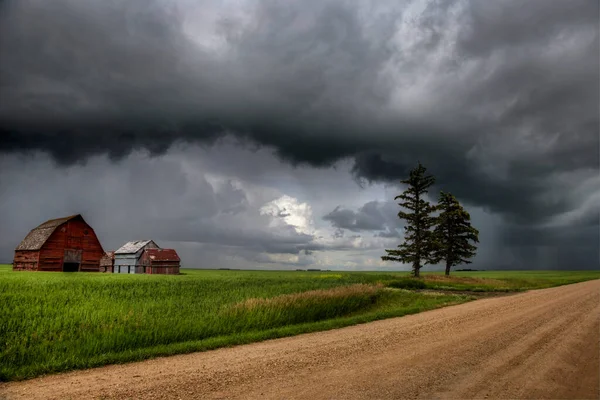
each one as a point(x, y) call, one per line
point(133, 246)
point(38, 235)
point(162, 255)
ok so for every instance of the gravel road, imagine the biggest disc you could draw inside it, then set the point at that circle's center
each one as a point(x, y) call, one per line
point(542, 344)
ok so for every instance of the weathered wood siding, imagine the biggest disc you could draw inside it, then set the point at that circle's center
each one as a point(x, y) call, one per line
point(164, 270)
point(160, 261)
point(107, 262)
point(74, 241)
point(26, 260)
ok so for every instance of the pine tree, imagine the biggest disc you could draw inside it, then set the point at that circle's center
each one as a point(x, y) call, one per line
point(417, 246)
point(452, 233)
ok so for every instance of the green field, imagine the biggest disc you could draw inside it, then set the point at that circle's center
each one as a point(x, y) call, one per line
point(52, 322)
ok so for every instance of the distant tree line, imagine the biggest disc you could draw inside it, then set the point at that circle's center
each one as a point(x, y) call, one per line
point(430, 238)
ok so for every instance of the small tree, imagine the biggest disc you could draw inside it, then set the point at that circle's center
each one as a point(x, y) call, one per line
point(417, 246)
point(453, 233)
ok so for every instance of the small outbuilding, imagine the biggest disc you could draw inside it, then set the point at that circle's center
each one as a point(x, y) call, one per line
point(127, 257)
point(107, 262)
point(160, 261)
point(65, 244)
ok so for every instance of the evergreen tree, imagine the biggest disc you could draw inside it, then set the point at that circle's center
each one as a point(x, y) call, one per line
point(452, 233)
point(417, 246)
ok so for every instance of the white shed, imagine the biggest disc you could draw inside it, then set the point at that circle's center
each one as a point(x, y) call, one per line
point(127, 257)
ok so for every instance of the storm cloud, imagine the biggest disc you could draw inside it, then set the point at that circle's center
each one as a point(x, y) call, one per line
point(372, 216)
point(498, 99)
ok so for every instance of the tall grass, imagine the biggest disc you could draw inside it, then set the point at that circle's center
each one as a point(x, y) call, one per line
point(291, 309)
point(51, 322)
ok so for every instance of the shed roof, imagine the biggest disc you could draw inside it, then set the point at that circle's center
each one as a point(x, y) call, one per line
point(38, 235)
point(162, 255)
point(133, 246)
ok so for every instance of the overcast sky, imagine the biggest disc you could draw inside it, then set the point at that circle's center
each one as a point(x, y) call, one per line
point(274, 134)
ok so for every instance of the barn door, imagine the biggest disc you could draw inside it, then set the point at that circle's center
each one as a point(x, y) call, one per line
point(72, 256)
point(72, 260)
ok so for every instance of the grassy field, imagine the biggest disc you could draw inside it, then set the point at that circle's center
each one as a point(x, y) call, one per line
point(52, 322)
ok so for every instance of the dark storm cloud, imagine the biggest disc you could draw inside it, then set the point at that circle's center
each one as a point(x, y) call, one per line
point(103, 78)
point(372, 216)
point(574, 248)
point(514, 197)
point(495, 98)
point(354, 221)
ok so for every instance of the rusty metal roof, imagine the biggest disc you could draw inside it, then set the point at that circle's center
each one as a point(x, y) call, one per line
point(38, 235)
point(133, 246)
point(162, 255)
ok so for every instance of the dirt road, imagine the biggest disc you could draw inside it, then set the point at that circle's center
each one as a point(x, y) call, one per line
point(540, 344)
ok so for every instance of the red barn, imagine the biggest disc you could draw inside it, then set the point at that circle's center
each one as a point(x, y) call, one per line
point(65, 244)
point(160, 261)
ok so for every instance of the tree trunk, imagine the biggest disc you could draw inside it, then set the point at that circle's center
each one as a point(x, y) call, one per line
point(447, 268)
point(416, 269)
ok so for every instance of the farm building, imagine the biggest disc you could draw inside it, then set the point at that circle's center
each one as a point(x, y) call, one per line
point(107, 262)
point(127, 257)
point(160, 261)
point(64, 244)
